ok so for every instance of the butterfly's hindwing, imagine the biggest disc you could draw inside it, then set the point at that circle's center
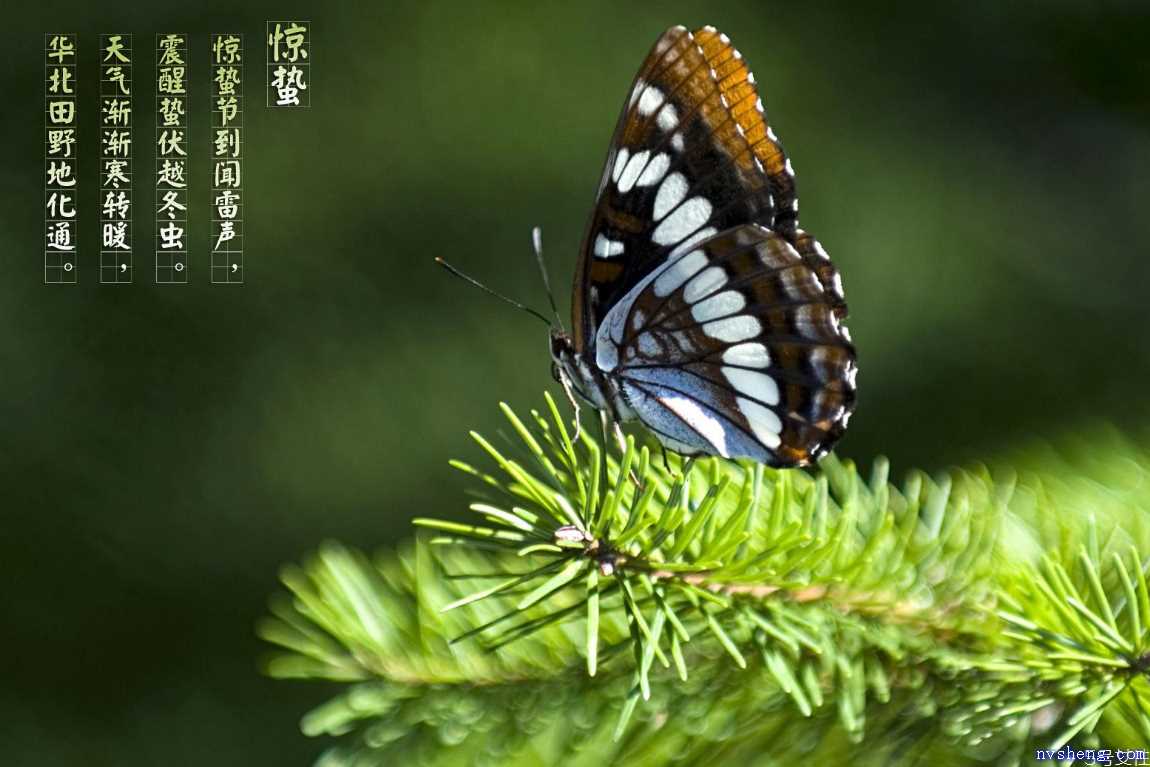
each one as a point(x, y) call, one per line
point(817, 259)
point(742, 327)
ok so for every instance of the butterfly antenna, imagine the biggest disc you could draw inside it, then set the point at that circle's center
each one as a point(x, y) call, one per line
point(485, 289)
point(537, 242)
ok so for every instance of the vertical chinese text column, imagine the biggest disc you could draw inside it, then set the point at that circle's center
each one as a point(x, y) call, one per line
point(116, 158)
point(227, 159)
point(288, 64)
point(171, 159)
point(60, 141)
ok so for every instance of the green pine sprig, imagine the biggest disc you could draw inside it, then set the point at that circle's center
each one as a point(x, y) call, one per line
point(658, 614)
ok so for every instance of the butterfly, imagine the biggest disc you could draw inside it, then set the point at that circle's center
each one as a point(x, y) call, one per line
point(700, 308)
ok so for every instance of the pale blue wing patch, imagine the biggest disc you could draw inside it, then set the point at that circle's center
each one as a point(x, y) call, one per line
point(728, 420)
point(689, 424)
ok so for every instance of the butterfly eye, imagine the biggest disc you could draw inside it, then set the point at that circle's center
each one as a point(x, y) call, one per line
point(555, 372)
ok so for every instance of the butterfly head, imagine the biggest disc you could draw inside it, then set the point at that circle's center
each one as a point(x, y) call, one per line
point(562, 353)
point(565, 367)
point(573, 370)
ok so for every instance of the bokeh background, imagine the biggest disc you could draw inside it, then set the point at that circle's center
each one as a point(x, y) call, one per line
point(980, 172)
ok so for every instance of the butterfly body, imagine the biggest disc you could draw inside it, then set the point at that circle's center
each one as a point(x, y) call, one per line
point(700, 308)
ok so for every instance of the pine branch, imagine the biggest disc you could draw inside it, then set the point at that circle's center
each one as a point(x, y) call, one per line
point(947, 616)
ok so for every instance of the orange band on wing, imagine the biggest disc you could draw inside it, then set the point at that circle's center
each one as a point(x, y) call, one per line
point(737, 86)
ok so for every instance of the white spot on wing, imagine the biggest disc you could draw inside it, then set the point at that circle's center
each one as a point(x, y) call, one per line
point(671, 193)
point(651, 100)
point(684, 220)
point(655, 170)
point(703, 284)
point(751, 355)
point(764, 422)
point(679, 272)
point(751, 383)
point(631, 172)
point(721, 305)
point(620, 163)
point(667, 118)
point(733, 329)
point(607, 248)
point(677, 142)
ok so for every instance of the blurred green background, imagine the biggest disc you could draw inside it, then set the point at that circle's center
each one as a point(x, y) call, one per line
point(979, 171)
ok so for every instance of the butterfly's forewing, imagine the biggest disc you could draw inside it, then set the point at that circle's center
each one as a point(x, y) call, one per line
point(692, 156)
point(734, 348)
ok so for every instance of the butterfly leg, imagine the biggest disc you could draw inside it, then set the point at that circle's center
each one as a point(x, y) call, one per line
point(688, 465)
point(566, 383)
point(620, 438)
